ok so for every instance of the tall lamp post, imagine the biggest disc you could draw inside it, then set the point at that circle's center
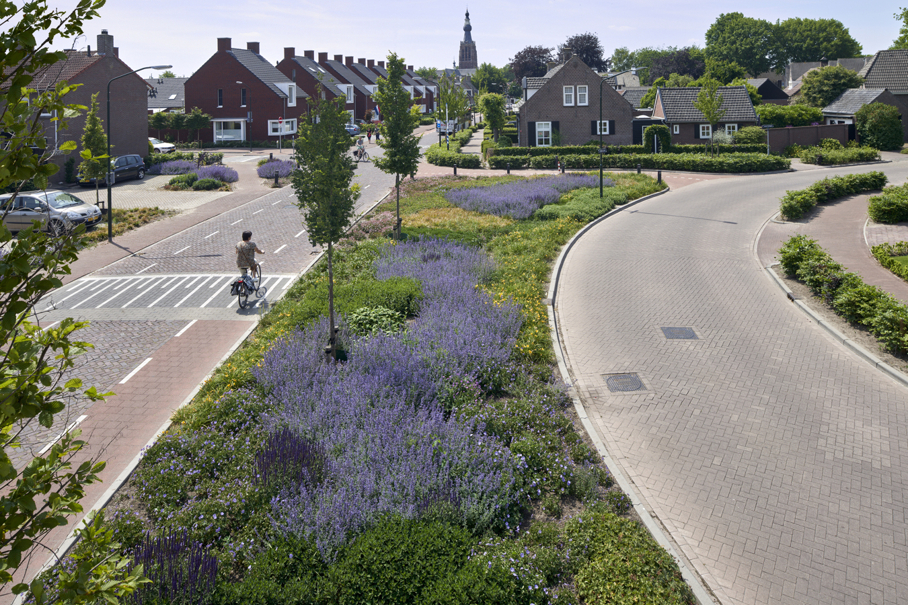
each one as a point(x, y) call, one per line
point(110, 170)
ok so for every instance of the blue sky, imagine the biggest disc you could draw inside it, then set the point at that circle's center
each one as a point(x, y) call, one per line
point(184, 33)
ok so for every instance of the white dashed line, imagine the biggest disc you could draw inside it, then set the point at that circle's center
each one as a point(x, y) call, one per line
point(181, 249)
point(46, 328)
point(136, 280)
point(57, 438)
point(235, 222)
point(279, 249)
point(277, 202)
point(257, 211)
point(95, 294)
point(215, 233)
point(146, 268)
point(180, 333)
point(136, 371)
point(367, 186)
point(216, 294)
point(148, 283)
point(300, 233)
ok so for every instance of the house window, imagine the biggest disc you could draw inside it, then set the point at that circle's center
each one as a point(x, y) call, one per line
point(543, 134)
point(731, 129)
point(706, 131)
point(676, 129)
point(568, 96)
point(602, 127)
point(291, 95)
point(228, 131)
point(276, 127)
point(349, 94)
point(220, 97)
point(242, 97)
point(582, 96)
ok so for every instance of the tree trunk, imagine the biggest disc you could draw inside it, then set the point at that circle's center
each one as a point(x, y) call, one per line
point(397, 224)
point(332, 336)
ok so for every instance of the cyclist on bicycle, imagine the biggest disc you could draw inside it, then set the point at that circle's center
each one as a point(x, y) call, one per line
point(245, 254)
point(360, 149)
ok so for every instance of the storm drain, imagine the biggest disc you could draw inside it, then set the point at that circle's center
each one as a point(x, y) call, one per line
point(680, 333)
point(623, 383)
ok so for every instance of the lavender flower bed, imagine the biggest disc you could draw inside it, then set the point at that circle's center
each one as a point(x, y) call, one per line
point(218, 173)
point(174, 167)
point(520, 199)
point(280, 168)
point(388, 446)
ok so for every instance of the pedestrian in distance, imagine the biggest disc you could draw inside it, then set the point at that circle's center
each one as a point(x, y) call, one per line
point(369, 135)
point(377, 136)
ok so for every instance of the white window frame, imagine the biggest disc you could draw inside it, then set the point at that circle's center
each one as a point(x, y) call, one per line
point(567, 96)
point(276, 128)
point(731, 129)
point(706, 131)
point(350, 93)
point(291, 96)
point(217, 125)
point(543, 133)
point(599, 129)
point(583, 96)
point(676, 129)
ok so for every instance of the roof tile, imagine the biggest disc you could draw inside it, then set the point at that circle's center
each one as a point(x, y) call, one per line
point(678, 104)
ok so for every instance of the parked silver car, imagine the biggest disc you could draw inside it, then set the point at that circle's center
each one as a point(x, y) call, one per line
point(57, 211)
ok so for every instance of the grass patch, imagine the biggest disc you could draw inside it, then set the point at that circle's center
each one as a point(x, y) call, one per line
point(902, 260)
point(126, 220)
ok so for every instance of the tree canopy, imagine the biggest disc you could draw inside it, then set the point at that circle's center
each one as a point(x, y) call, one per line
point(902, 41)
point(531, 62)
point(429, 73)
point(681, 61)
point(492, 107)
point(821, 86)
point(589, 49)
point(168, 74)
point(488, 78)
point(800, 40)
point(746, 41)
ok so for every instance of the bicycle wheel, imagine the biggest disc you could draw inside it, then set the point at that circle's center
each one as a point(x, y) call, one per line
point(365, 157)
point(259, 290)
point(242, 296)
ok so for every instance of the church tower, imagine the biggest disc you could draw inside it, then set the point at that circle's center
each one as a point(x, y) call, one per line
point(468, 47)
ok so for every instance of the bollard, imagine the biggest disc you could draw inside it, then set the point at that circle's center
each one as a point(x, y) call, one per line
point(455, 169)
point(638, 168)
point(509, 168)
point(562, 167)
point(270, 156)
point(276, 183)
point(659, 177)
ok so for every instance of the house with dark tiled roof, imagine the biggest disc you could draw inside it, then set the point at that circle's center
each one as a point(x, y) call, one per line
point(166, 94)
point(248, 98)
point(358, 91)
point(94, 69)
point(687, 124)
point(309, 75)
point(769, 91)
point(887, 69)
point(843, 109)
point(634, 95)
point(562, 108)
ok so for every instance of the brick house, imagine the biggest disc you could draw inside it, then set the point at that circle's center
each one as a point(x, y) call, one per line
point(247, 97)
point(416, 90)
point(356, 89)
point(842, 110)
point(128, 101)
point(562, 108)
point(687, 124)
point(308, 75)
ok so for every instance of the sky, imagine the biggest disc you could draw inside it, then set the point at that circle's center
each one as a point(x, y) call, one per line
point(184, 33)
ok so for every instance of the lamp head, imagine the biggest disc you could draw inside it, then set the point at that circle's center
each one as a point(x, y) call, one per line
point(159, 67)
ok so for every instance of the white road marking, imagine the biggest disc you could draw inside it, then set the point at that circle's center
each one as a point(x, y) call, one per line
point(257, 211)
point(277, 202)
point(215, 233)
point(189, 285)
point(213, 296)
point(78, 289)
point(235, 222)
point(141, 294)
point(146, 268)
point(186, 327)
point(193, 292)
point(279, 249)
point(367, 186)
point(78, 304)
point(136, 371)
point(300, 233)
point(136, 280)
point(57, 438)
point(181, 249)
point(46, 328)
point(158, 299)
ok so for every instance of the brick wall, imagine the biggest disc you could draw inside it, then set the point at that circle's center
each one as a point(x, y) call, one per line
point(576, 123)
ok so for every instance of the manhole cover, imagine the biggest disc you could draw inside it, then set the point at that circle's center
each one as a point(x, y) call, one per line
point(680, 333)
point(622, 383)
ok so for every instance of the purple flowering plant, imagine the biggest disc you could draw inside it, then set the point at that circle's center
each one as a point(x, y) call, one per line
point(518, 199)
point(225, 174)
point(279, 168)
point(173, 167)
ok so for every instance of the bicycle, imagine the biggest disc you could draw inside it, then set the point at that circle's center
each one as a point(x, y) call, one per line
point(246, 285)
point(362, 156)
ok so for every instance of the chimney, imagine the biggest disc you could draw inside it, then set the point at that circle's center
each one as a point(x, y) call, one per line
point(105, 43)
point(116, 52)
point(566, 54)
point(89, 50)
point(348, 61)
point(253, 46)
point(339, 58)
point(409, 68)
point(381, 64)
point(370, 63)
point(309, 54)
point(289, 52)
point(322, 57)
point(361, 61)
point(224, 44)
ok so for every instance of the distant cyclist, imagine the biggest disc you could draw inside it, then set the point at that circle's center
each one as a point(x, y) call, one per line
point(245, 254)
point(360, 149)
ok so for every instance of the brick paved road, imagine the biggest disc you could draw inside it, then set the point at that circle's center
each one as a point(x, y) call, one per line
point(777, 459)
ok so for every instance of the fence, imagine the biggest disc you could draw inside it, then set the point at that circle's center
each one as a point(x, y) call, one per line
point(806, 136)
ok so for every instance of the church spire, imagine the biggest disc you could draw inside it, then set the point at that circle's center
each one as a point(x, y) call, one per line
point(468, 47)
point(467, 28)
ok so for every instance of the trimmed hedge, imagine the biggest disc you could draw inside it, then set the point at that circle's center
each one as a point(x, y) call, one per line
point(735, 163)
point(886, 253)
point(592, 148)
point(829, 157)
point(797, 203)
point(891, 206)
point(439, 156)
point(883, 315)
point(664, 134)
point(750, 135)
point(788, 115)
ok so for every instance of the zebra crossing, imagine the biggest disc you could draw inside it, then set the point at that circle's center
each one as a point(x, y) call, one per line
point(166, 291)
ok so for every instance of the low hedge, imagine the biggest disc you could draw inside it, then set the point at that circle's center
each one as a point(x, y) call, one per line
point(886, 254)
point(891, 206)
point(439, 156)
point(829, 157)
point(797, 203)
point(583, 205)
point(592, 148)
point(860, 303)
point(160, 158)
point(735, 163)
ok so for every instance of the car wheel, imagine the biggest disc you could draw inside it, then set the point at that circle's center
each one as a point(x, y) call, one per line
point(56, 228)
point(140, 174)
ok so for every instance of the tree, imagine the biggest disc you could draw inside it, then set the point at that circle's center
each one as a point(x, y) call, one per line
point(589, 49)
point(95, 163)
point(755, 97)
point(901, 42)
point(401, 147)
point(531, 62)
point(428, 73)
point(680, 61)
point(176, 121)
point(158, 121)
point(34, 385)
point(879, 125)
point(642, 59)
point(488, 78)
point(743, 40)
point(812, 40)
point(168, 74)
point(492, 107)
point(709, 102)
point(673, 81)
point(622, 59)
point(322, 183)
point(195, 121)
point(724, 71)
point(822, 86)
point(452, 99)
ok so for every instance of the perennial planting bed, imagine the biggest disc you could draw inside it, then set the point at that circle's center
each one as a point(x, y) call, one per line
point(435, 464)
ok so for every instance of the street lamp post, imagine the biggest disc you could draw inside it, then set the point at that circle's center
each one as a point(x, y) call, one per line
point(109, 168)
point(599, 127)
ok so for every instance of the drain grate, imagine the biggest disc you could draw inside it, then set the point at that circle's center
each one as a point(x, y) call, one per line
point(624, 383)
point(680, 333)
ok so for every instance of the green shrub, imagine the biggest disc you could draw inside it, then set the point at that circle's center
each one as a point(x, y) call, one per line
point(207, 185)
point(183, 181)
point(369, 320)
point(879, 125)
point(859, 304)
point(788, 115)
point(399, 561)
point(890, 325)
point(592, 148)
point(828, 157)
point(886, 254)
point(830, 144)
point(160, 158)
point(439, 156)
point(69, 171)
point(795, 251)
point(664, 134)
point(750, 135)
point(891, 206)
point(582, 205)
point(797, 203)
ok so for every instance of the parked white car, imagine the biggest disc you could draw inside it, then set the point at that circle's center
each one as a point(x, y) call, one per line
point(160, 146)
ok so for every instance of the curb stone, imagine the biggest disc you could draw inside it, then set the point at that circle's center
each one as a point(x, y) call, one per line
point(704, 595)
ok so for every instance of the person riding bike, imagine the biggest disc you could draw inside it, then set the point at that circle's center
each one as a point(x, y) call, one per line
point(245, 254)
point(360, 149)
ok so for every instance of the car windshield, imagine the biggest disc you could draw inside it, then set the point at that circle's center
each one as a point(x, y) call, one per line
point(64, 200)
point(156, 141)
